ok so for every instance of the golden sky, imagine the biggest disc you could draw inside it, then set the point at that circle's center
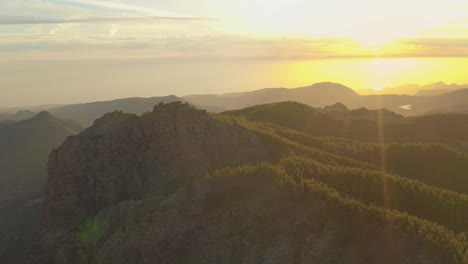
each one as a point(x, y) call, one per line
point(377, 39)
point(233, 29)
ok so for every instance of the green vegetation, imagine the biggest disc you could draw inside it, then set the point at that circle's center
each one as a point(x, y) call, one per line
point(362, 124)
point(92, 230)
point(242, 184)
point(290, 114)
point(433, 163)
point(416, 184)
point(389, 191)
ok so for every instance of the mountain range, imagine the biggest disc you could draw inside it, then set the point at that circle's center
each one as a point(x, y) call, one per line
point(437, 88)
point(322, 94)
point(273, 183)
point(434, 98)
point(17, 116)
point(157, 178)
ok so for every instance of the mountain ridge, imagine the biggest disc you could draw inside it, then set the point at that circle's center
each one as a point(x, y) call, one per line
point(319, 94)
point(180, 185)
point(316, 95)
point(323, 94)
point(416, 89)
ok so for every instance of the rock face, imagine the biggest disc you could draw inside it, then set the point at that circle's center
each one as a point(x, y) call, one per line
point(124, 157)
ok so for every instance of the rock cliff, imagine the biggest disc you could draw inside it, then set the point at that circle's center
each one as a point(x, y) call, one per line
point(125, 157)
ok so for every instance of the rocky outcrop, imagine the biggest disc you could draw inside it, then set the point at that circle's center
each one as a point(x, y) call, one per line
point(125, 157)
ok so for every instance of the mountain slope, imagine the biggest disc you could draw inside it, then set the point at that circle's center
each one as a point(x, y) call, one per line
point(24, 149)
point(410, 142)
point(362, 124)
point(178, 185)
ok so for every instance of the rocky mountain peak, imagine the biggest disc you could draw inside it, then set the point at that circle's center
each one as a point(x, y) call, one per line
point(128, 157)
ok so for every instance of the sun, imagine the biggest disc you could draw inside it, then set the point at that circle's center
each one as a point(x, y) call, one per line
point(378, 87)
point(375, 44)
point(382, 72)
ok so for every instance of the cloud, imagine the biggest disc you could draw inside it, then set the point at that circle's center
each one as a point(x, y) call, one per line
point(72, 7)
point(114, 43)
point(21, 20)
point(114, 29)
point(435, 47)
point(113, 5)
point(60, 27)
point(437, 42)
point(111, 46)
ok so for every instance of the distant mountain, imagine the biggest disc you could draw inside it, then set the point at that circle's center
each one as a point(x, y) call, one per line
point(18, 116)
point(323, 94)
point(32, 108)
point(319, 94)
point(452, 102)
point(416, 89)
point(407, 89)
point(22, 113)
point(434, 92)
point(86, 113)
point(434, 98)
point(24, 149)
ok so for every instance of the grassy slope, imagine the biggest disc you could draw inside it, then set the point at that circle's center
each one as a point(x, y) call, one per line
point(428, 203)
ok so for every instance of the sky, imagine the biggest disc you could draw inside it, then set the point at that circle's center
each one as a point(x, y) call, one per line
point(61, 51)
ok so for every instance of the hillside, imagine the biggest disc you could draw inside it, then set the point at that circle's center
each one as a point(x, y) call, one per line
point(258, 185)
point(322, 94)
point(362, 124)
point(24, 150)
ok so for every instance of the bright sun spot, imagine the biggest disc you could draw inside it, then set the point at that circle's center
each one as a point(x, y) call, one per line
point(378, 87)
point(381, 72)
